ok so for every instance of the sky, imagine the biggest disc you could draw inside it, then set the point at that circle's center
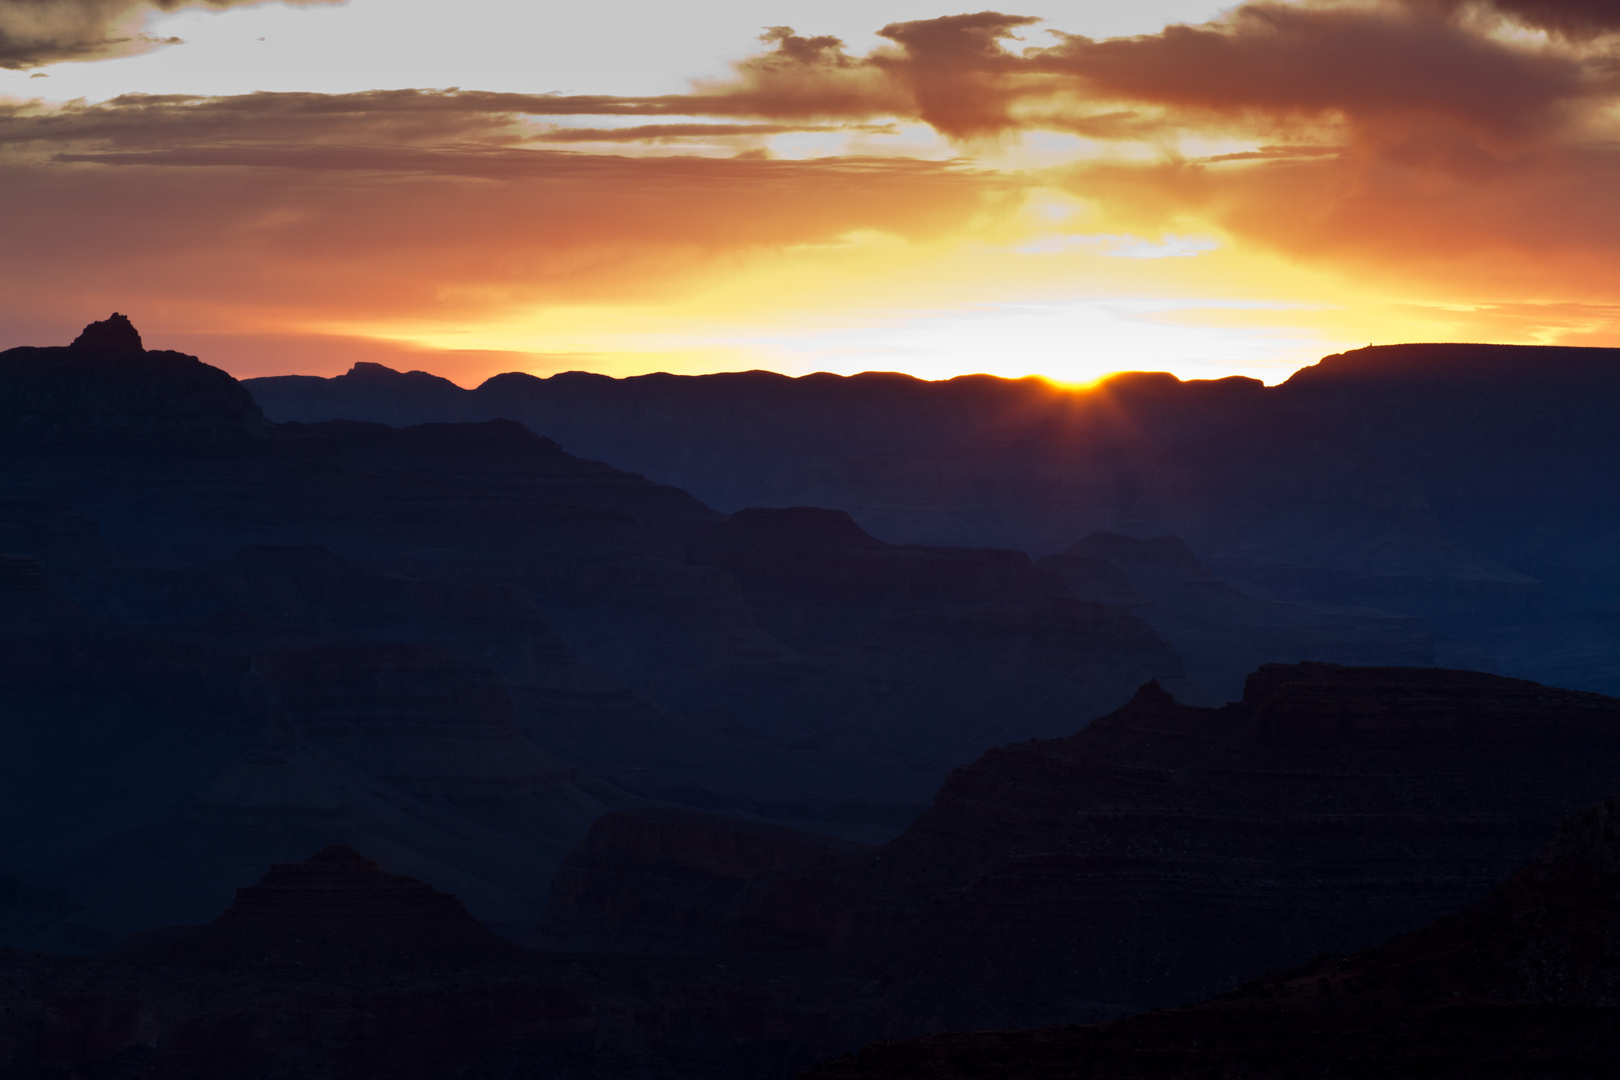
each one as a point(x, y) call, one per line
point(1066, 189)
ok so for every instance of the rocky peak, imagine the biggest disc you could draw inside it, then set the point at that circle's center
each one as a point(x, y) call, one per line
point(340, 909)
point(112, 336)
point(1585, 854)
point(339, 882)
point(106, 388)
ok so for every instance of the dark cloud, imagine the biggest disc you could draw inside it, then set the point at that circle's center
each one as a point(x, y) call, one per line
point(292, 209)
point(38, 32)
point(466, 120)
point(1570, 18)
point(959, 73)
point(1369, 66)
point(1386, 69)
point(663, 133)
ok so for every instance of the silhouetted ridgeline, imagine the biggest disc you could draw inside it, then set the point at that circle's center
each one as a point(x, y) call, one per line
point(1474, 486)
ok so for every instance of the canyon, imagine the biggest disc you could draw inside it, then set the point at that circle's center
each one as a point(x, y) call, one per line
point(1163, 854)
point(458, 644)
point(795, 716)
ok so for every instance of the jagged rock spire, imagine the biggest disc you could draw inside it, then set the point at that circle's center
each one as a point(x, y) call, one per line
point(113, 336)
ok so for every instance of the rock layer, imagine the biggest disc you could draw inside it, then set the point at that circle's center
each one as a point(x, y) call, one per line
point(1524, 984)
point(1167, 852)
point(336, 909)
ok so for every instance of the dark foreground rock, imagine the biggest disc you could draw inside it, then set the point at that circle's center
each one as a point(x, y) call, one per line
point(332, 968)
point(1162, 855)
point(1525, 984)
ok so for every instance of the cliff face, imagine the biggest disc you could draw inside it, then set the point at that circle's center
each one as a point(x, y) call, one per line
point(1522, 984)
point(1165, 852)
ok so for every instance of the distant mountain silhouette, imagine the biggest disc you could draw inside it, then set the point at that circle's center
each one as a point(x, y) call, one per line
point(1472, 486)
point(336, 910)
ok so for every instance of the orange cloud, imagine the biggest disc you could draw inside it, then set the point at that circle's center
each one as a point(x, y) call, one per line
point(1377, 70)
point(38, 32)
point(1414, 142)
point(299, 210)
point(1571, 18)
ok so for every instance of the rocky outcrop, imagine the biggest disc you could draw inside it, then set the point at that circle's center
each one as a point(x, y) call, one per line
point(336, 909)
point(113, 336)
point(1186, 848)
point(332, 967)
point(1164, 853)
point(1523, 984)
point(106, 388)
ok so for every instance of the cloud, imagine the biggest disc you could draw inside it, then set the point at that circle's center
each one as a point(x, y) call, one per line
point(666, 133)
point(303, 210)
point(1570, 18)
point(960, 75)
point(38, 32)
point(1428, 144)
point(1377, 69)
point(1421, 139)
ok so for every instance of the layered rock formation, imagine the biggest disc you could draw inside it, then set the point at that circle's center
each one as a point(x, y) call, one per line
point(331, 967)
point(335, 910)
point(1523, 984)
point(1164, 853)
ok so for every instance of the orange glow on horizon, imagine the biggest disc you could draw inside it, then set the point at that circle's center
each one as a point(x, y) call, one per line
point(966, 195)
